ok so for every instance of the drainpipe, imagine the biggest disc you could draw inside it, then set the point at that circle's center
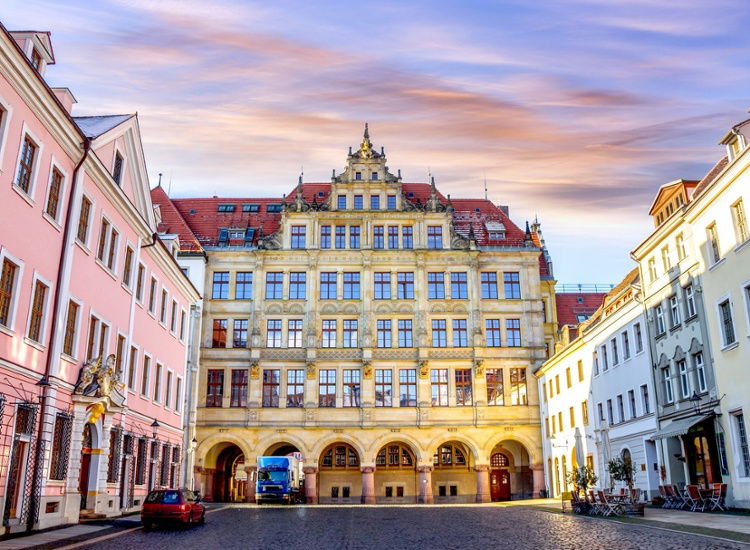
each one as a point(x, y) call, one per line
point(44, 383)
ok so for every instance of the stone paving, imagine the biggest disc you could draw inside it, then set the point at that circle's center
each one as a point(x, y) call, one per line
point(289, 528)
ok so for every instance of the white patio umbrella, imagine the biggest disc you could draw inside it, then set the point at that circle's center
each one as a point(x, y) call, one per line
point(580, 460)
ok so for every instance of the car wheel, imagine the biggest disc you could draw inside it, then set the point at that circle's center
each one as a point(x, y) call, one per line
point(147, 526)
point(203, 518)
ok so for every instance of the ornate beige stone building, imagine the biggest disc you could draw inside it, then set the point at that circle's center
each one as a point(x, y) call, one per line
point(384, 331)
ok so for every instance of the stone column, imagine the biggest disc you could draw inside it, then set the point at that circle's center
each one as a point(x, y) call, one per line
point(368, 484)
point(483, 483)
point(538, 478)
point(311, 484)
point(425, 485)
point(250, 483)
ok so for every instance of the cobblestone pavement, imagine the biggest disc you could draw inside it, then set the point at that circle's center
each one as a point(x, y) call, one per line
point(406, 527)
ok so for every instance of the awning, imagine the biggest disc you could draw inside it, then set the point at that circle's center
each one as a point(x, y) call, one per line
point(679, 427)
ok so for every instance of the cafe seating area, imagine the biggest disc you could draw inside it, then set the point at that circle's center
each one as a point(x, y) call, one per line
point(694, 497)
point(604, 503)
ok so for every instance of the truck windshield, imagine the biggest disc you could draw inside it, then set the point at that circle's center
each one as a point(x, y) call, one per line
point(266, 475)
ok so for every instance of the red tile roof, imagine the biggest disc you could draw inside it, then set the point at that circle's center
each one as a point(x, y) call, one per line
point(709, 178)
point(571, 304)
point(173, 222)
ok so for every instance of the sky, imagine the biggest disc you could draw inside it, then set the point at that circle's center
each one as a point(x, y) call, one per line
point(575, 111)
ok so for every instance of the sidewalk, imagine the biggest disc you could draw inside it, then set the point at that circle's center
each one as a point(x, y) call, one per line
point(725, 522)
point(53, 536)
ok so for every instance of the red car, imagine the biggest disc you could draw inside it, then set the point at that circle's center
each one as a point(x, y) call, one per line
point(172, 505)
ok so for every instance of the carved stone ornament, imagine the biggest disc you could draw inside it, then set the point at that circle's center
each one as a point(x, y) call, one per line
point(254, 370)
point(310, 370)
point(424, 369)
point(270, 242)
point(101, 382)
point(367, 370)
point(458, 241)
point(479, 367)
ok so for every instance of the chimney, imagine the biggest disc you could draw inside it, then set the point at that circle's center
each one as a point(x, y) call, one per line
point(66, 97)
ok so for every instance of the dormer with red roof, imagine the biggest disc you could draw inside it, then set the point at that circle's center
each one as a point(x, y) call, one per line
point(671, 197)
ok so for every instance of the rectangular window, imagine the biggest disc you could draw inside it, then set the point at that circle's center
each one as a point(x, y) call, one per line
point(60, 446)
point(328, 285)
point(700, 372)
point(163, 308)
point(674, 312)
point(127, 272)
point(350, 333)
point(568, 378)
point(644, 399)
point(294, 333)
point(38, 305)
point(117, 169)
point(340, 236)
point(436, 286)
point(652, 269)
point(382, 284)
point(145, 374)
point(638, 337)
point(742, 444)
point(103, 233)
point(489, 285)
point(168, 390)
point(243, 289)
point(112, 252)
point(325, 236)
point(183, 319)
point(157, 382)
point(631, 400)
point(53, 196)
point(668, 390)
point(459, 289)
point(585, 413)
point(407, 387)
point(295, 388)
point(220, 288)
point(439, 337)
point(580, 371)
point(689, 302)
point(407, 237)
point(463, 387)
point(297, 286)
point(358, 202)
point(383, 387)
point(274, 285)
point(666, 259)
point(133, 364)
point(405, 333)
point(214, 387)
point(492, 332)
point(727, 323)
point(271, 379)
point(354, 236)
point(238, 396)
point(384, 333)
point(660, 325)
point(329, 333)
point(512, 286)
point(620, 408)
point(518, 387)
point(495, 387)
point(351, 387)
point(625, 345)
point(680, 245)
point(391, 202)
point(405, 285)
point(378, 236)
point(684, 378)
point(239, 333)
point(439, 387)
point(83, 220)
point(460, 333)
point(299, 233)
point(712, 238)
point(513, 332)
point(341, 202)
point(600, 410)
point(219, 336)
point(351, 286)
point(615, 352)
point(327, 388)
point(273, 333)
point(740, 221)
point(610, 412)
point(139, 282)
point(572, 414)
point(393, 237)
point(173, 317)
point(434, 236)
point(375, 200)
point(26, 164)
point(178, 395)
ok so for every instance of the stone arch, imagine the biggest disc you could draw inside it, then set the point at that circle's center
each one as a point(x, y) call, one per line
point(274, 309)
point(471, 446)
point(350, 308)
point(437, 308)
point(326, 441)
point(206, 446)
point(534, 452)
point(275, 439)
point(459, 308)
point(383, 308)
point(385, 439)
point(328, 308)
point(405, 308)
point(296, 308)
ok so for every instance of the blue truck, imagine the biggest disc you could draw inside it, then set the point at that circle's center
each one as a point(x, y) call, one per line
point(280, 479)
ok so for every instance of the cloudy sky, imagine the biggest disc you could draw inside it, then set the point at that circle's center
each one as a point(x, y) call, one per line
point(573, 110)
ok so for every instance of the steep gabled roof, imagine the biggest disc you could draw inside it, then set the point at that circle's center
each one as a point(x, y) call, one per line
point(94, 126)
point(570, 305)
point(172, 221)
point(711, 176)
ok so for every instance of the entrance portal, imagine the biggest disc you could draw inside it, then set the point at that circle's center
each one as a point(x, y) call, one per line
point(499, 477)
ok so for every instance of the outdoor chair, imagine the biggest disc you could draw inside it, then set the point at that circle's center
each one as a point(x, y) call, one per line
point(595, 506)
point(717, 498)
point(694, 498)
point(665, 497)
point(679, 497)
point(609, 508)
point(576, 503)
point(671, 497)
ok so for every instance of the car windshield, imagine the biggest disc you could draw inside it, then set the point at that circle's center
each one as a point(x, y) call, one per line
point(163, 497)
point(266, 475)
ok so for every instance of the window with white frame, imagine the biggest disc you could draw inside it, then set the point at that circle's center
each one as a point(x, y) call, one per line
point(645, 399)
point(638, 337)
point(743, 448)
point(674, 312)
point(108, 240)
point(700, 371)
point(727, 323)
point(689, 301)
point(684, 378)
point(665, 259)
point(37, 314)
point(652, 269)
point(625, 345)
point(11, 272)
point(659, 315)
point(54, 193)
point(668, 389)
point(680, 245)
point(28, 158)
point(740, 221)
point(712, 242)
point(615, 353)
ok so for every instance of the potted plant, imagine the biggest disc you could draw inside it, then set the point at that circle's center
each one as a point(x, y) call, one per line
point(582, 478)
point(624, 471)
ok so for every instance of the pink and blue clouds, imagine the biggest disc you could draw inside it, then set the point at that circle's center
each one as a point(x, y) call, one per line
point(575, 110)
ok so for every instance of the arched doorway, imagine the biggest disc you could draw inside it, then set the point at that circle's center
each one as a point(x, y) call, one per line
point(339, 476)
point(499, 477)
point(230, 479)
point(453, 479)
point(87, 474)
point(395, 473)
point(281, 449)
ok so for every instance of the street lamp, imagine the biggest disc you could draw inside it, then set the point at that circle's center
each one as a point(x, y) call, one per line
point(155, 427)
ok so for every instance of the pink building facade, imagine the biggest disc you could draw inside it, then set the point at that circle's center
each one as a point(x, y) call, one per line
point(94, 309)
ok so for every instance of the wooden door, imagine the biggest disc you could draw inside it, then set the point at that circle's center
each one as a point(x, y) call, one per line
point(15, 477)
point(499, 485)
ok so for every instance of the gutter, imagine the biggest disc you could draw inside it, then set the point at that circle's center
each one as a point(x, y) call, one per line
point(44, 383)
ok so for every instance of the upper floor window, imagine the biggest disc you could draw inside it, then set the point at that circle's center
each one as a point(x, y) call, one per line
point(220, 288)
point(298, 236)
point(435, 286)
point(214, 387)
point(384, 333)
point(374, 176)
point(341, 202)
point(358, 176)
point(354, 234)
point(225, 208)
point(463, 387)
point(26, 164)
point(727, 323)
point(297, 285)
point(713, 243)
point(243, 288)
point(329, 333)
point(434, 236)
point(405, 333)
point(495, 387)
point(391, 202)
point(36, 59)
point(351, 286)
point(382, 282)
point(513, 332)
point(638, 337)
point(107, 249)
point(117, 169)
point(38, 306)
point(294, 333)
point(407, 237)
point(492, 333)
point(53, 196)
point(273, 333)
point(659, 314)
point(375, 199)
point(250, 208)
point(219, 335)
point(405, 285)
point(439, 334)
point(518, 394)
point(378, 236)
point(666, 259)
point(8, 282)
point(83, 220)
point(325, 236)
point(340, 236)
point(489, 285)
point(274, 285)
point(668, 389)
point(460, 334)
point(272, 208)
point(459, 290)
point(350, 333)
point(392, 237)
point(328, 285)
point(680, 245)
point(512, 286)
point(740, 221)
point(358, 202)
point(652, 269)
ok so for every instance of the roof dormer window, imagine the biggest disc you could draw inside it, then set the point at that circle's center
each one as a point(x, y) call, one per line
point(374, 176)
point(117, 169)
point(225, 208)
point(358, 176)
point(36, 60)
point(497, 235)
point(273, 208)
point(250, 207)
